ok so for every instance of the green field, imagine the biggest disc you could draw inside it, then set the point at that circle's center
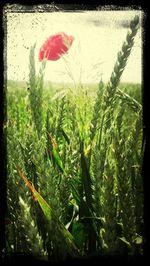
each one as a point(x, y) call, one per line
point(89, 174)
point(74, 160)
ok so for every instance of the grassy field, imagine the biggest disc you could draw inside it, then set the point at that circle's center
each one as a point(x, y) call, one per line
point(89, 174)
point(74, 159)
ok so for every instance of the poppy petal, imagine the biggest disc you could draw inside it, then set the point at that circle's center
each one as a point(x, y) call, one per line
point(55, 46)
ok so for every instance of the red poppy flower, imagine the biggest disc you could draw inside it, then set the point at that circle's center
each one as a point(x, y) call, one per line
point(55, 46)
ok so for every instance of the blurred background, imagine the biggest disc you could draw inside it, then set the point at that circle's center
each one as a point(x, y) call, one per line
point(99, 36)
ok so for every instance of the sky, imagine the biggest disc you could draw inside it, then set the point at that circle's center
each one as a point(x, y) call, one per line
point(98, 37)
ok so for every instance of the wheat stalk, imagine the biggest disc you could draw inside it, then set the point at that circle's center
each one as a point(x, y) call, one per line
point(122, 58)
point(135, 105)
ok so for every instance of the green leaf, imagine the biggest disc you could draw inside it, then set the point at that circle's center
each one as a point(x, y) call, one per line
point(123, 239)
point(74, 190)
point(75, 210)
point(86, 179)
point(55, 153)
point(78, 233)
point(37, 197)
point(58, 160)
point(52, 219)
point(65, 136)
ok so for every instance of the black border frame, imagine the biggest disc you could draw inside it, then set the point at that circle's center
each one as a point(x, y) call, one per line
point(146, 127)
